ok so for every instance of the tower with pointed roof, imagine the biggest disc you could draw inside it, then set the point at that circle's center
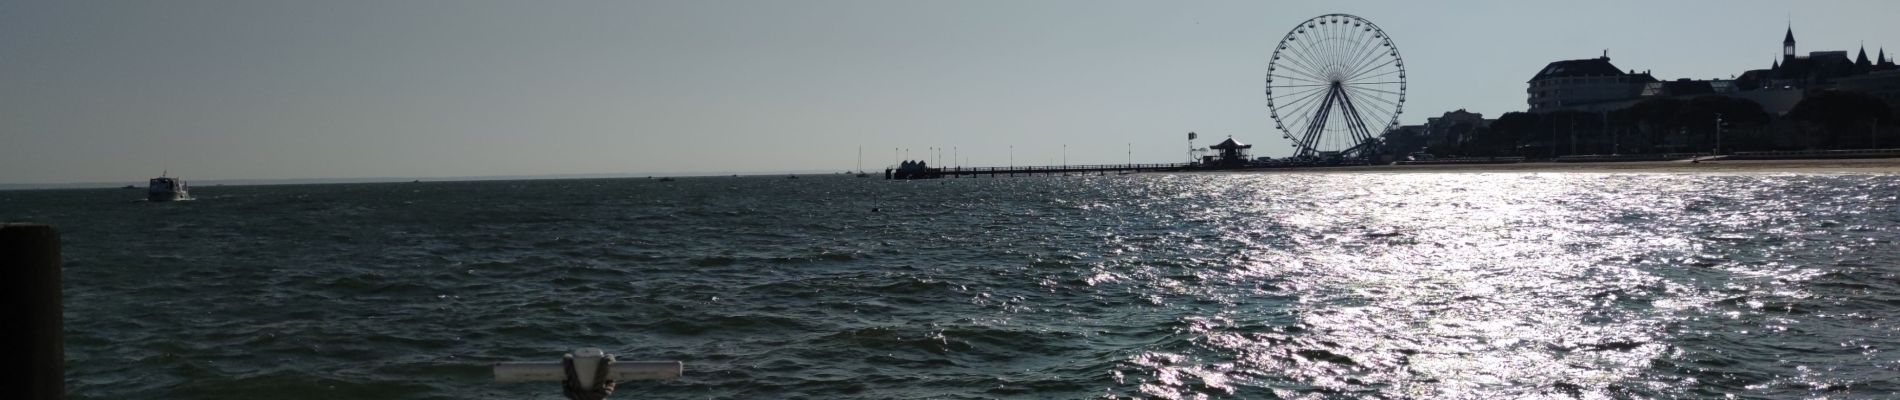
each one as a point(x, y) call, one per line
point(1787, 44)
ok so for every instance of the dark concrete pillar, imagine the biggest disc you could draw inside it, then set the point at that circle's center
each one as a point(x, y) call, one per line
point(33, 344)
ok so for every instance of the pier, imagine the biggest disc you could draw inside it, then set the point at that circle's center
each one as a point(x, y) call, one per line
point(35, 338)
point(976, 172)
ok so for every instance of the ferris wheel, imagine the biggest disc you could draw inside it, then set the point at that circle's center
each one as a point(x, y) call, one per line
point(1334, 84)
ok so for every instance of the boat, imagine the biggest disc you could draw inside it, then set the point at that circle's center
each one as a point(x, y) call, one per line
point(167, 188)
point(861, 173)
point(666, 179)
point(129, 187)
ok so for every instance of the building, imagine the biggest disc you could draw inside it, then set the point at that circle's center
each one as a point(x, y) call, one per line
point(1596, 85)
point(1883, 84)
point(1452, 129)
point(1686, 87)
point(1573, 83)
point(1816, 70)
point(1230, 154)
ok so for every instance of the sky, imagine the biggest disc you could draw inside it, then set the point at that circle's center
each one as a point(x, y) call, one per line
point(118, 91)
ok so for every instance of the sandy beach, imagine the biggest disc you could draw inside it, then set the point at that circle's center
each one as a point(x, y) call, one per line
point(1881, 165)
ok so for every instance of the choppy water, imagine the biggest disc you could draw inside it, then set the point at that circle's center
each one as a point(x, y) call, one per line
point(1152, 286)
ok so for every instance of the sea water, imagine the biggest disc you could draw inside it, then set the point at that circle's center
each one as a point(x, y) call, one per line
point(1177, 286)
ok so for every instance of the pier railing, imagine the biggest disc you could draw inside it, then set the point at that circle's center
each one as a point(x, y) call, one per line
point(1101, 169)
point(1804, 154)
point(1630, 157)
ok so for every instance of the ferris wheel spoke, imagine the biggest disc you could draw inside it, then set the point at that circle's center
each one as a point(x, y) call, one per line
point(1311, 50)
point(1374, 100)
point(1302, 44)
point(1382, 114)
point(1328, 51)
point(1302, 66)
point(1311, 42)
point(1349, 50)
point(1374, 97)
point(1302, 105)
point(1373, 109)
point(1383, 111)
point(1346, 42)
point(1315, 74)
point(1401, 78)
point(1372, 112)
point(1301, 81)
point(1367, 58)
point(1374, 83)
point(1304, 111)
point(1296, 103)
point(1309, 75)
point(1305, 85)
point(1374, 67)
point(1379, 91)
point(1303, 115)
point(1302, 57)
point(1303, 95)
point(1296, 95)
point(1342, 43)
point(1361, 62)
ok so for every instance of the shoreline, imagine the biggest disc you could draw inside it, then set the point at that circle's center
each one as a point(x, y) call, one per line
point(1874, 165)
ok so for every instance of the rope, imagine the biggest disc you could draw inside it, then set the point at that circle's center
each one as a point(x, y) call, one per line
point(571, 388)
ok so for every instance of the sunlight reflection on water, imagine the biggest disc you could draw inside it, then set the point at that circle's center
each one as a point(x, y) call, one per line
point(1457, 286)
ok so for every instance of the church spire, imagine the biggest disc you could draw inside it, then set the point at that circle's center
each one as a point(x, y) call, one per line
point(1787, 44)
point(1862, 59)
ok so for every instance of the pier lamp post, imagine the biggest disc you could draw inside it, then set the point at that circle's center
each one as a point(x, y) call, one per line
point(1012, 157)
point(1718, 133)
point(1065, 156)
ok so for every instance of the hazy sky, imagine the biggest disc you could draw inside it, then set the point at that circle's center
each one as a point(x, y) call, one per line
point(115, 91)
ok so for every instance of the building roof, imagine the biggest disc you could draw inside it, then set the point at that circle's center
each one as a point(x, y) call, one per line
point(1817, 67)
point(1679, 87)
point(1599, 66)
point(1755, 78)
point(1230, 144)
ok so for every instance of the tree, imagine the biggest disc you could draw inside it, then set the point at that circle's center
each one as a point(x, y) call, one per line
point(1504, 137)
point(1739, 118)
point(1650, 124)
point(1844, 119)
